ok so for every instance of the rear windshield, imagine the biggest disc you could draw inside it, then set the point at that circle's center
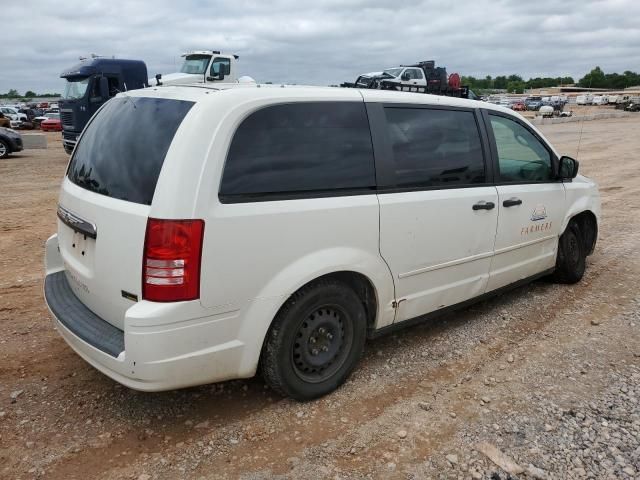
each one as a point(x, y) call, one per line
point(122, 150)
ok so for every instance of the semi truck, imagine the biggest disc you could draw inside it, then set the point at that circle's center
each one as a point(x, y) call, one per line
point(88, 85)
point(202, 66)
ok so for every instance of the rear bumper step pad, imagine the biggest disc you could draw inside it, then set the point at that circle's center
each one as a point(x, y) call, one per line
point(81, 321)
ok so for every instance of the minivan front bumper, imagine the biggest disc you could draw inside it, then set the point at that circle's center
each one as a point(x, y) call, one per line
point(162, 347)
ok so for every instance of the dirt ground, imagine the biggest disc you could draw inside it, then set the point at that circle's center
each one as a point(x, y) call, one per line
point(549, 375)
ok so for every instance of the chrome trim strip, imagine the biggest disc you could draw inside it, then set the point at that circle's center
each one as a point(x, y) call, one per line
point(76, 223)
point(524, 244)
point(452, 263)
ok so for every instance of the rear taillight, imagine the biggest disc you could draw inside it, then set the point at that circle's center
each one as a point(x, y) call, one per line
point(171, 261)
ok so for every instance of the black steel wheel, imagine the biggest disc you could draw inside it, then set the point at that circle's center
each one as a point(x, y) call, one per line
point(315, 340)
point(322, 344)
point(571, 259)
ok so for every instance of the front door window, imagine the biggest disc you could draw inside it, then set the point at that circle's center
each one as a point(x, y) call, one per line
point(522, 158)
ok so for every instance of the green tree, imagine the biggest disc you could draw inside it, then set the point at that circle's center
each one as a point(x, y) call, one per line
point(500, 82)
point(516, 87)
point(13, 93)
point(30, 94)
point(594, 79)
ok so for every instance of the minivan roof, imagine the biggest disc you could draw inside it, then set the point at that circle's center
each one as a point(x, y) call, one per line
point(252, 91)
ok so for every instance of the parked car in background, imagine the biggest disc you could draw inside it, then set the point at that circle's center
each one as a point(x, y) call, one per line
point(38, 120)
point(633, 105)
point(4, 121)
point(52, 123)
point(533, 103)
point(598, 100)
point(13, 114)
point(30, 113)
point(394, 210)
point(518, 106)
point(10, 142)
point(613, 99)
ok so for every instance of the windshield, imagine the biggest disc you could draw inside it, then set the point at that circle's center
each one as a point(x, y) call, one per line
point(394, 72)
point(195, 64)
point(52, 115)
point(75, 89)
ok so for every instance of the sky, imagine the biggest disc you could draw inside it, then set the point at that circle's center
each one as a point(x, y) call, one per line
point(321, 42)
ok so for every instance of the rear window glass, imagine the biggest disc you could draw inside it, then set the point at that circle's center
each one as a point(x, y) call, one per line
point(122, 150)
point(435, 148)
point(300, 147)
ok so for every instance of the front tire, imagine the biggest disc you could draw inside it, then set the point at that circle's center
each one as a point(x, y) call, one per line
point(571, 259)
point(315, 340)
point(4, 149)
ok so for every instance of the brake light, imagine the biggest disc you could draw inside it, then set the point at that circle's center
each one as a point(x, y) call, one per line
point(171, 260)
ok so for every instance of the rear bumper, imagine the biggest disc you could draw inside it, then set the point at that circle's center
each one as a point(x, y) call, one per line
point(78, 319)
point(162, 346)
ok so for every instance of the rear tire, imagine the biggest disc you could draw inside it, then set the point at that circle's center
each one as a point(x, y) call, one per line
point(4, 149)
point(571, 259)
point(315, 340)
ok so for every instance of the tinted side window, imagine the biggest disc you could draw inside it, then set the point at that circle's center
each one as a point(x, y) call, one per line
point(521, 156)
point(300, 147)
point(433, 148)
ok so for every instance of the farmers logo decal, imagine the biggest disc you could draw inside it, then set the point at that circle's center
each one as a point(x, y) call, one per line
point(539, 213)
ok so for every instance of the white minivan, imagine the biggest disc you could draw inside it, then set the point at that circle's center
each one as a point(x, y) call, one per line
point(205, 233)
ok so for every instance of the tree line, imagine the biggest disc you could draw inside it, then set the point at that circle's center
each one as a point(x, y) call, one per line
point(596, 78)
point(13, 93)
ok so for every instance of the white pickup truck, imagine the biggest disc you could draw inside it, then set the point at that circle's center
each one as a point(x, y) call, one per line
point(408, 77)
point(202, 66)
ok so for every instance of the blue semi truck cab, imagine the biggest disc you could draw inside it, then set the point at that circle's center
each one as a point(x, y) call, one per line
point(88, 85)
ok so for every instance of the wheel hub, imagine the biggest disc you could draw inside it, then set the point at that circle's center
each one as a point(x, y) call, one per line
point(319, 342)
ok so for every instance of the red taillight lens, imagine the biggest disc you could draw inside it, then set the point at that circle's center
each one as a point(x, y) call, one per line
point(171, 263)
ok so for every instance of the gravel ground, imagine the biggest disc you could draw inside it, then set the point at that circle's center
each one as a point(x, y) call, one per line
point(541, 382)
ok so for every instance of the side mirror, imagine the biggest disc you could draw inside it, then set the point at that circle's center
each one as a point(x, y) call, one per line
point(405, 77)
point(158, 78)
point(216, 75)
point(568, 167)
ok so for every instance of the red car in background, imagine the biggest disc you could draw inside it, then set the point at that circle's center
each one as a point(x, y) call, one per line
point(52, 123)
point(519, 107)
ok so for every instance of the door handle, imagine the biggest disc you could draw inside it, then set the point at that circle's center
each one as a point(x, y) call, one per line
point(512, 202)
point(484, 205)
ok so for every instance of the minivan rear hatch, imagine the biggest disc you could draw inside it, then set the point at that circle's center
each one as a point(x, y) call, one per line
point(106, 196)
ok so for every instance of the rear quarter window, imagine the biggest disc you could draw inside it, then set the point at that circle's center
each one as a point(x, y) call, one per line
point(299, 148)
point(122, 150)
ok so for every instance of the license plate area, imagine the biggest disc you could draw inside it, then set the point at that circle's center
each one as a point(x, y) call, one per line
point(77, 250)
point(82, 247)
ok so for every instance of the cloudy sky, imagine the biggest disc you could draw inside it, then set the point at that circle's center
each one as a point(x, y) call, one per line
point(321, 41)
